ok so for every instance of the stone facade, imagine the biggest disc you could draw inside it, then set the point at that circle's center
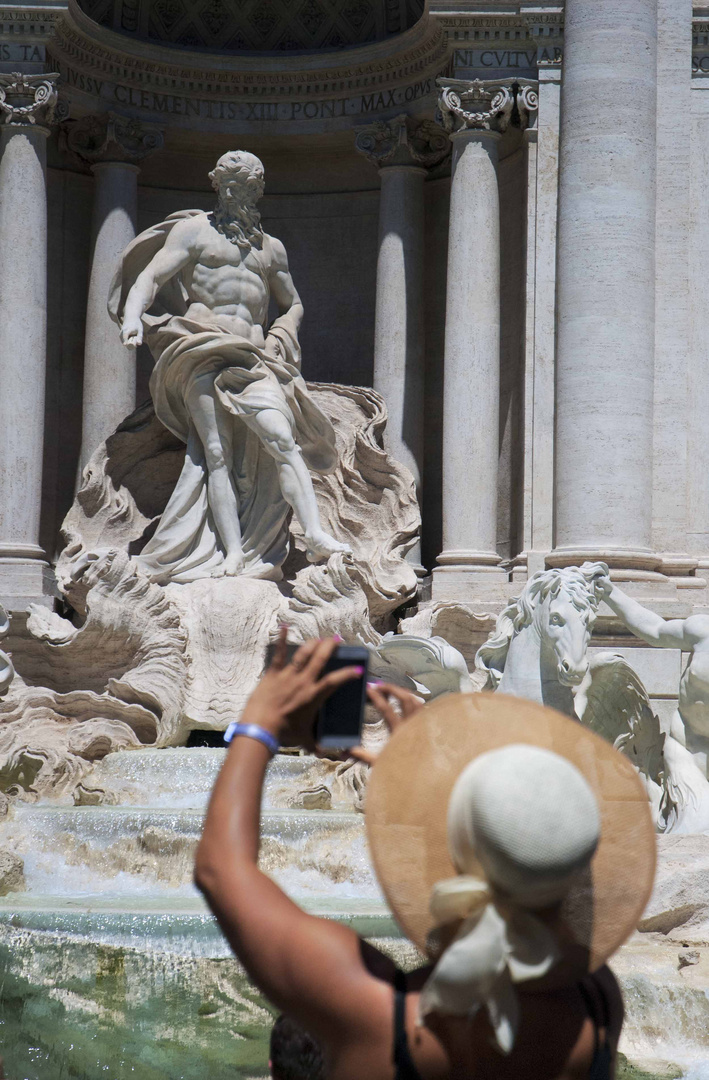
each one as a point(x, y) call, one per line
point(546, 386)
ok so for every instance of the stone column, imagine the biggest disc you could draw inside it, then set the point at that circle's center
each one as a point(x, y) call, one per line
point(27, 105)
point(402, 149)
point(542, 186)
point(475, 114)
point(112, 145)
point(606, 285)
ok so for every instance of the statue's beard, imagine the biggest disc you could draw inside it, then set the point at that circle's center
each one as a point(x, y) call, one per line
point(239, 221)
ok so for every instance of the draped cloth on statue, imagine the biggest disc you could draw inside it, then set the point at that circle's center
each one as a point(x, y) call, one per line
point(186, 544)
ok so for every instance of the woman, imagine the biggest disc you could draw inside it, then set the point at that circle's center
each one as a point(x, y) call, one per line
point(510, 994)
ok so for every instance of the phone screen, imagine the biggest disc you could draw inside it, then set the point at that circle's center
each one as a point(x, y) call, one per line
point(340, 720)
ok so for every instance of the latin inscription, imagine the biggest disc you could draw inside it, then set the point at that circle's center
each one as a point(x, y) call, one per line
point(179, 105)
point(23, 54)
point(464, 59)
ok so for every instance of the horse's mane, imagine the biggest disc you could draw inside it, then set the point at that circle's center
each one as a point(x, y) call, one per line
point(578, 581)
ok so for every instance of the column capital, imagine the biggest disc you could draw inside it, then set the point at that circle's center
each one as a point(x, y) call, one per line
point(28, 100)
point(402, 141)
point(527, 103)
point(469, 105)
point(107, 138)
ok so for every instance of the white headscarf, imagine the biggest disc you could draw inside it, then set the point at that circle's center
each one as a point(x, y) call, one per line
point(529, 818)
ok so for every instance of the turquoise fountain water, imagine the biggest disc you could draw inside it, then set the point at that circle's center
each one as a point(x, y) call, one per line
point(113, 966)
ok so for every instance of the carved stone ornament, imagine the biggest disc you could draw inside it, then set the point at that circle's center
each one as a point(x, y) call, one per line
point(527, 101)
point(474, 105)
point(402, 141)
point(28, 99)
point(110, 137)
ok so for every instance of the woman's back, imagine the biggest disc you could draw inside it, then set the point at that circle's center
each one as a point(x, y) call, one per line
point(484, 821)
point(562, 1035)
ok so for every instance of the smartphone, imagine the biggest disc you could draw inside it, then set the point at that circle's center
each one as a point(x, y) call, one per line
point(291, 650)
point(339, 723)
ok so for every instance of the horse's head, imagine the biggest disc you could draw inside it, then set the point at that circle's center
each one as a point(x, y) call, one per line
point(561, 606)
point(566, 628)
point(565, 613)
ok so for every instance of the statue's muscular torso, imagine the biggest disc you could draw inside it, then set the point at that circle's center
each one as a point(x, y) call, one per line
point(225, 284)
point(220, 280)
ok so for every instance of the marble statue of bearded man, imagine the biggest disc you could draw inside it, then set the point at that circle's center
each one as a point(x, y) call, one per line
point(198, 287)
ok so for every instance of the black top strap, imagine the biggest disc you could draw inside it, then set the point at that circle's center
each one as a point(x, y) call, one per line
point(599, 1012)
point(592, 1010)
point(403, 1062)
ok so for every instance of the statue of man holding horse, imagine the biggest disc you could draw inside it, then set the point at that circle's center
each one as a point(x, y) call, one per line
point(690, 723)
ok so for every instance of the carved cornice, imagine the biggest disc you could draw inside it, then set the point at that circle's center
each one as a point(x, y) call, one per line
point(109, 137)
point(109, 55)
point(257, 25)
point(402, 141)
point(28, 99)
point(38, 22)
point(101, 69)
point(494, 30)
point(485, 105)
point(513, 40)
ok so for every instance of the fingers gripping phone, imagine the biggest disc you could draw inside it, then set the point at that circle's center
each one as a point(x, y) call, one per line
point(339, 723)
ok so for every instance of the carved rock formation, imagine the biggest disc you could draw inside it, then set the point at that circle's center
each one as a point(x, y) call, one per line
point(137, 663)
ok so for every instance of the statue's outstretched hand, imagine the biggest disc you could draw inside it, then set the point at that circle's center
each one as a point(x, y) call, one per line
point(603, 585)
point(132, 333)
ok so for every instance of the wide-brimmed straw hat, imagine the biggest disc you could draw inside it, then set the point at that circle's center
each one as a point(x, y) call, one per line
point(407, 804)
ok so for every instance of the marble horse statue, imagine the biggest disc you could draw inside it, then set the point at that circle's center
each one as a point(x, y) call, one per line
point(539, 650)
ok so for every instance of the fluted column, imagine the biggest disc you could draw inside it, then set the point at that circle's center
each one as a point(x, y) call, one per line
point(606, 284)
point(474, 114)
point(402, 149)
point(27, 105)
point(112, 145)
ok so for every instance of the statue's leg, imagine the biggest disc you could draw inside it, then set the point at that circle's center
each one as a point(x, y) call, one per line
point(214, 427)
point(275, 433)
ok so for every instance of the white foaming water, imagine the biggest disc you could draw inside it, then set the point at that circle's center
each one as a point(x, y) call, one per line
point(137, 851)
point(183, 779)
point(48, 874)
point(667, 1014)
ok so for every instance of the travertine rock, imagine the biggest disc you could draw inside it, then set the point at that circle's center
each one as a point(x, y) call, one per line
point(370, 499)
point(679, 906)
point(143, 664)
point(12, 872)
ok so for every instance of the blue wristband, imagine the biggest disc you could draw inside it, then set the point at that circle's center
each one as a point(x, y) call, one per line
point(253, 731)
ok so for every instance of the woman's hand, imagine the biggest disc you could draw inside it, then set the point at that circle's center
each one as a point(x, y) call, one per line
point(287, 699)
point(379, 695)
